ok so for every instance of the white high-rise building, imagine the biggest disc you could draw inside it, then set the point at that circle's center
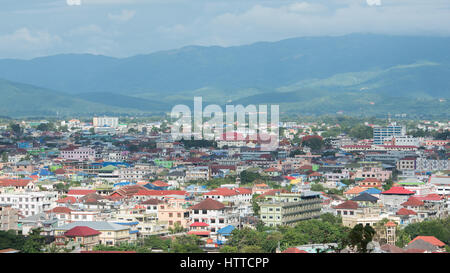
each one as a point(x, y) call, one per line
point(106, 122)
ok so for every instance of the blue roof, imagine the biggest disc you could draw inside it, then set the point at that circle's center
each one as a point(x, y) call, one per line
point(372, 191)
point(226, 230)
point(127, 223)
point(134, 231)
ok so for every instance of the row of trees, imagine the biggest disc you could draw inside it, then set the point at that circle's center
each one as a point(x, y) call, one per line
point(327, 229)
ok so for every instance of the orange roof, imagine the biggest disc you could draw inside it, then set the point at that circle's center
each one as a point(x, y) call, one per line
point(355, 190)
point(390, 224)
point(429, 239)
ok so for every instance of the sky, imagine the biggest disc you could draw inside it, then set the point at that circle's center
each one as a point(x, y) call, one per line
point(122, 28)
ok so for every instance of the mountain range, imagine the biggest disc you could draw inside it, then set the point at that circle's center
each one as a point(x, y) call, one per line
point(358, 74)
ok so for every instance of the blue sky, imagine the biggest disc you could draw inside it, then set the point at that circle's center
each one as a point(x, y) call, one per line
point(120, 28)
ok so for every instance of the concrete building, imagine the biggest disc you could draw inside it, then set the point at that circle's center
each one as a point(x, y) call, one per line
point(30, 203)
point(112, 122)
point(290, 208)
point(384, 133)
point(8, 218)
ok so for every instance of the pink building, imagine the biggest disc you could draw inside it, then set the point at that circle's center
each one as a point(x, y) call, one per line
point(377, 173)
point(174, 210)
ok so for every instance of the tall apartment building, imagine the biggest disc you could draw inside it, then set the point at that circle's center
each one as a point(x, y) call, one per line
point(290, 208)
point(383, 133)
point(29, 203)
point(8, 217)
point(105, 121)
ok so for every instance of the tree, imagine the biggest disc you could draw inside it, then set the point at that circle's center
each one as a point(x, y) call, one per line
point(4, 157)
point(34, 242)
point(177, 228)
point(46, 127)
point(186, 244)
point(361, 131)
point(438, 228)
point(255, 205)
point(360, 236)
point(16, 129)
point(317, 187)
point(248, 177)
point(314, 142)
point(331, 218)
point(9, 239)
point(156, 242)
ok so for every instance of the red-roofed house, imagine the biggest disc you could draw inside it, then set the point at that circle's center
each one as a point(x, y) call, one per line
point(346, 208)
point(61, 213)
point(236, 195)
point(199, 229)
point(426, 244)
point(407, 216)
point(19, 185)
point(294, 250)
point(369, 183)
point(80, 193)
point(395, 196)
point(85, 236)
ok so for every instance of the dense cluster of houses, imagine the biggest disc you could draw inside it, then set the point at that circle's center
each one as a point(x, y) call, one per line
point(109, 185)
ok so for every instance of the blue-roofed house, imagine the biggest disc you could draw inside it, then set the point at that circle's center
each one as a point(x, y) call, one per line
point(373, 191)
point(224, 233)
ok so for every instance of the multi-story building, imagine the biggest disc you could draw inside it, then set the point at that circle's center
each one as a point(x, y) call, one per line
point(30, 203)
point(424, 164)
point(110, 233)
point(174, 211)
point(8, 218)
point(290, 208)
point(406, 164)
point(196, 173)
point(78, 153)
point(146, 222)
point(383, 133)
point(105, 122)
point(213, 213)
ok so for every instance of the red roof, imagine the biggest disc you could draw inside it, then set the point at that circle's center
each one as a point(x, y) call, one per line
point(68, 199)
point(199, 233)
point(347, 205)
point(208, 204)
point(199, 224)
point(222, 192)
point(413, 202)
point(60, 171)
point(429, 239)
point(398, 190)
point(80, 192)
point(430, 197)
point(390, 224)
point(404, 211)
point(81, 231)
point(14, 182)
point(160, 192)
point(60, 210)
point(160, 183)
point(294, 250)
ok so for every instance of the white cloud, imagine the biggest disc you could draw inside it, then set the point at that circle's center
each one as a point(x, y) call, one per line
point(126, 15)
point(374, 2)
point(27, 43)
point(73, 2)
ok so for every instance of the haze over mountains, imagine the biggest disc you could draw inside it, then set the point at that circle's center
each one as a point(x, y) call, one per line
point(357, 74)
